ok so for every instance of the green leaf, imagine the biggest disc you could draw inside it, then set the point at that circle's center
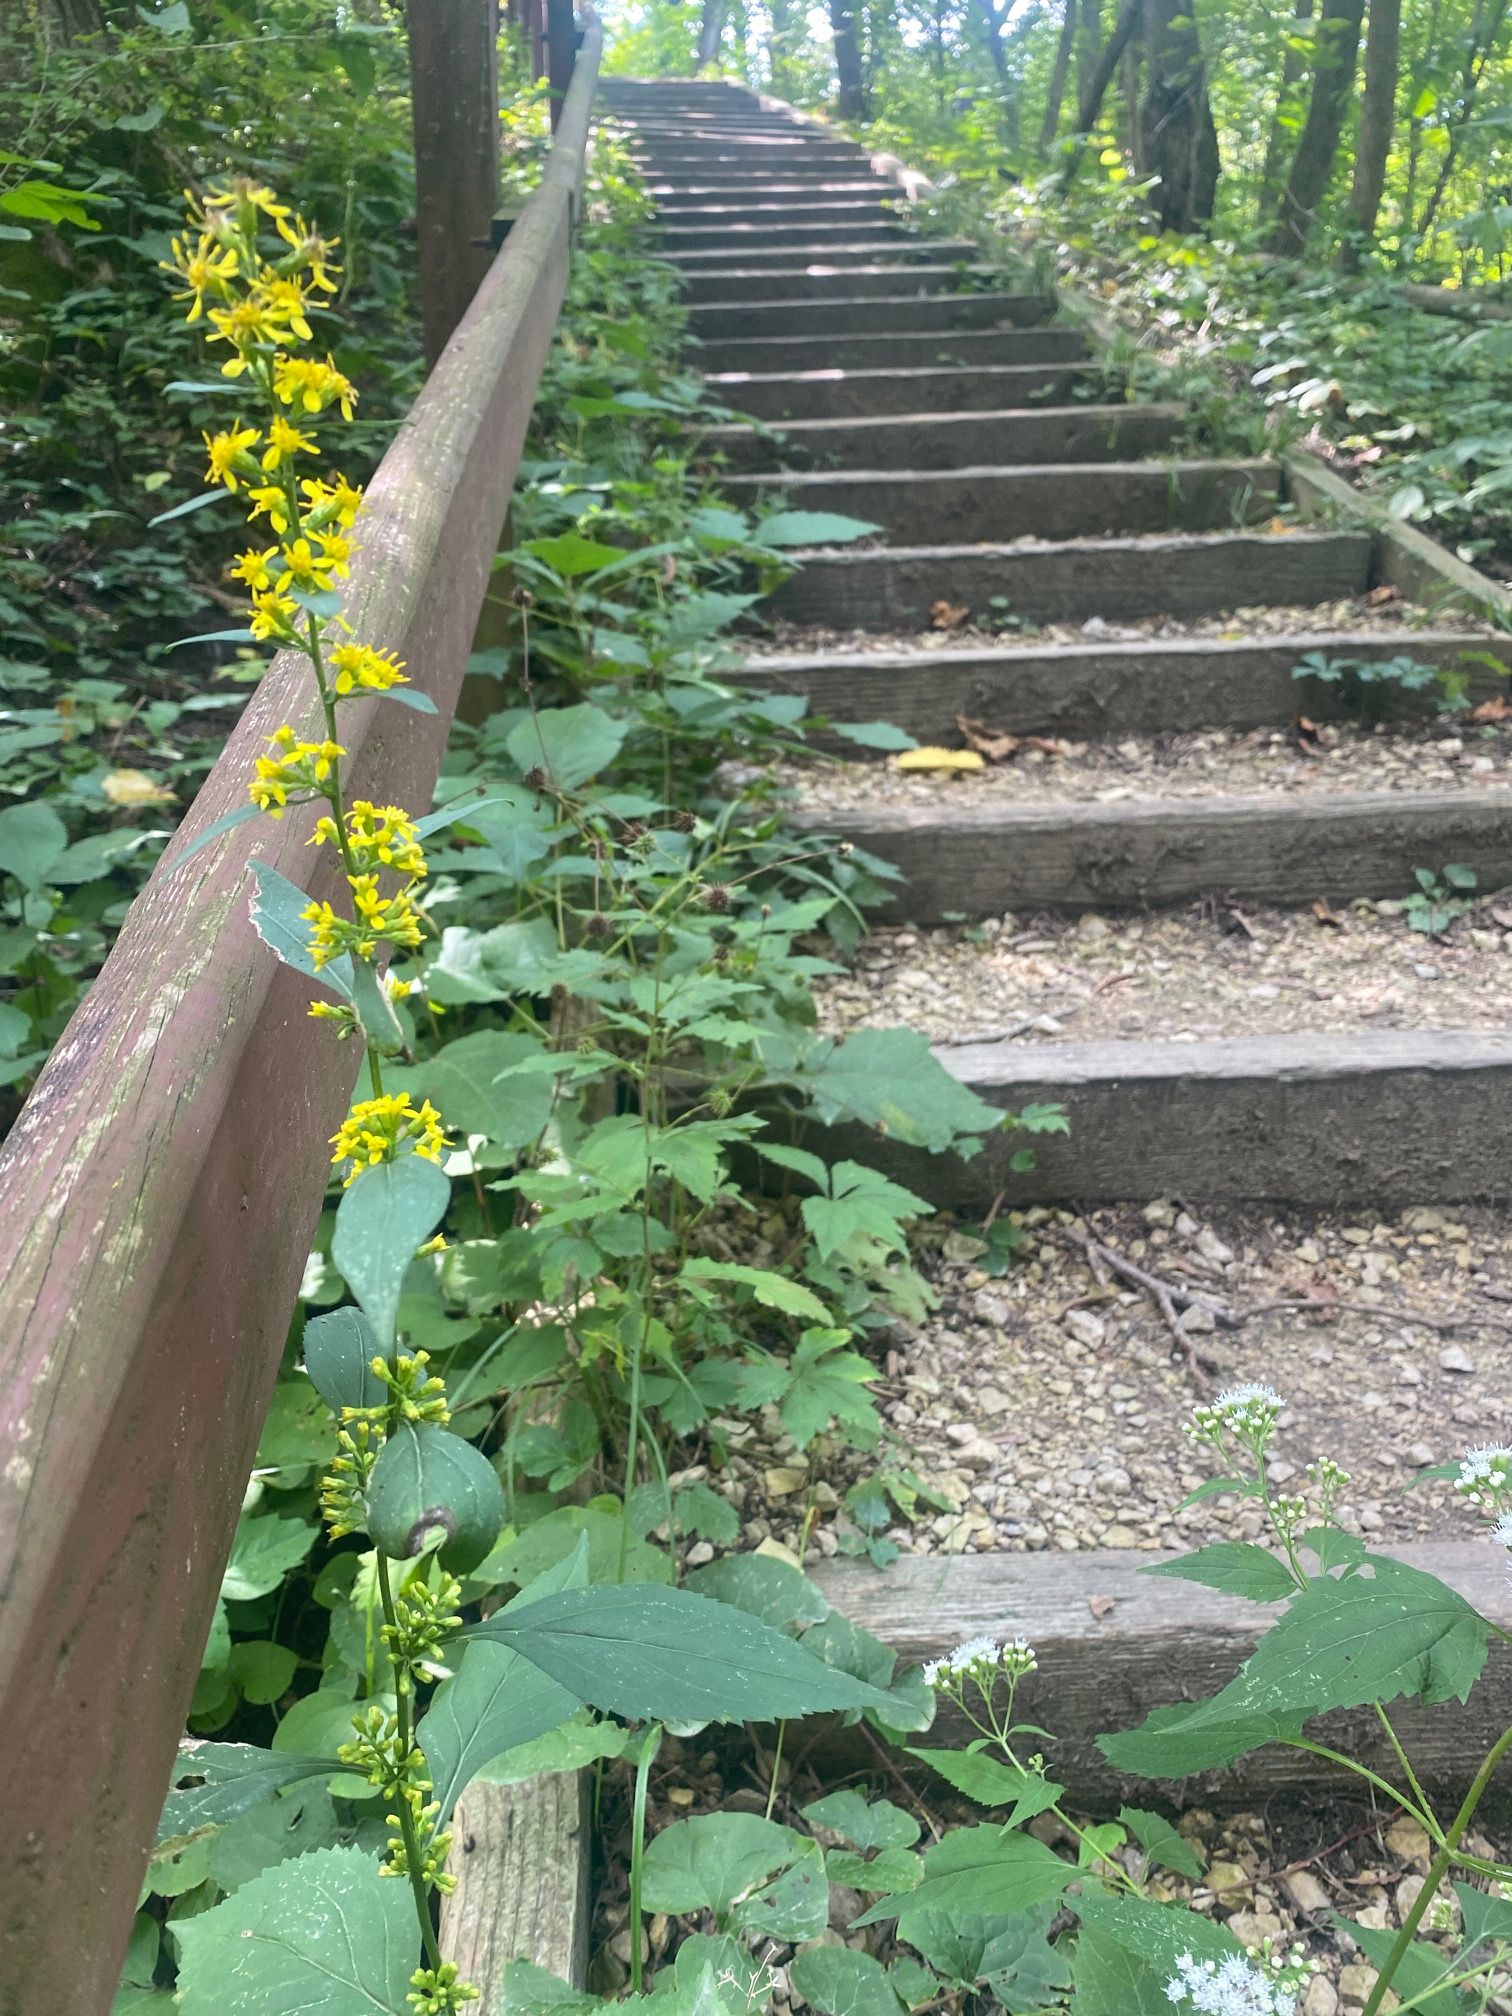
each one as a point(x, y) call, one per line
point(323, 1933)
point(705, 1864)
point(1022, 1969)
point(291, 1824)
point(699, 1509)
point(576, 1743)
point(866, 1823)
point(570, 554)
point(828, 1383)
point(1162, 1844)
point(263, 1552)
point(496, 1700)
point(519, 958)
point(215, 1783)
point(667, 1655)
point(263, 1670)
point(429, 1482)
point(546, 1541)
point(474, 1086)
point(384, 1217)
point(838, 1982)
point(278, 919)
point(812, 528)
point(773, 1291)
point(1340, 1644)
point(32, 837)
point(571, 744)
point(793, 1906)
point(991, 1781)
point(892, 1080)
point(764, 1587)
point(891, 1871)
point(874, 734)
point(237, 816)
point(1485, 1917)
point(861, 1201)
point(1235, 1566)
point(339, 1349)
point(1418, 1972)
point(978, 1869)
point(1157, 1933)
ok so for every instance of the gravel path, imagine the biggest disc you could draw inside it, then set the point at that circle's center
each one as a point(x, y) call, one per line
point(1213, 970)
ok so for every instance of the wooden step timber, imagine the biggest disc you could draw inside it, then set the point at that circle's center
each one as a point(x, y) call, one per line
point(779, 160)
point(776, 397)
point(977, 858)
point(943, 441)
point(784, 199)
point(522, 1856)
point(864, 207)
point(1043, 500)
point(862, 351)
point(1161, 686)
point(1113, 1643)
point(866, 229)
point(901, 313)
point(734, 257)
point(1388, 1117)
point(1185, 574)
point(821, 281)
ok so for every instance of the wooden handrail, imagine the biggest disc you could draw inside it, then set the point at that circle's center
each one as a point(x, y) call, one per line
point(161, 1187)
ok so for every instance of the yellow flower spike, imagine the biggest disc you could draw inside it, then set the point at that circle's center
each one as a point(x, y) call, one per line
point(203, 271)
point(246, 325)
point(267, 498)
point(272, 615)
point(304, 568)
point(338, 500)
point(313, 384)
point(252, 568)
point(380, 1130)
point(285, 298)
point(293, 766)
point(358, 665)
point(284, 442)
point(230, 455)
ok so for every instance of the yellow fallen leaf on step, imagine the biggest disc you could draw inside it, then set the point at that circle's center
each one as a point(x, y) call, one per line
point(938, 759)
point(135, 787)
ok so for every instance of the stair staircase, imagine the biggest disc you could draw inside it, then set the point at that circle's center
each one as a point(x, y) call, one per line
point(899, 379)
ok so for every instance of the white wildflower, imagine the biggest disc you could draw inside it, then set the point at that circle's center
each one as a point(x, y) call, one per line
point(1501, 1532)
point(1485, 1477)
point(976, 1656)
point(1231, 1987)
point(1248, 1412)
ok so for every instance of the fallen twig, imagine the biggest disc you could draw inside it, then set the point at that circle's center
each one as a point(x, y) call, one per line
point(1164, 1294)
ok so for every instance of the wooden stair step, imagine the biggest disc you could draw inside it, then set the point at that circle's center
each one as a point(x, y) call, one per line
point(864, 228)
point(900, 313)
point(1044, 500)
point(738, 191)
point(736, 256)
point(913, 441)
point(777, 397)
point(885, 275)
point(864, 350)
point(778, 158)
point(1147, 686)
point(1180, 574)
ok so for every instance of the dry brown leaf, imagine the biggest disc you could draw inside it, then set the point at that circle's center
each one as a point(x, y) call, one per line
point(135, 787)
point(1379, 597)
point(1045, 744)
point(988, 742)
point(1326, 916)
point(1306, 733)
point(1100, 1606)
point(948, 615)
point(1278, 526)
point(938, 760)
point(1497, 708)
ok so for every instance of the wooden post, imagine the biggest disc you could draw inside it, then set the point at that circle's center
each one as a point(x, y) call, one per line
point(561, 33)
point(454, 86)
point(161, 1185)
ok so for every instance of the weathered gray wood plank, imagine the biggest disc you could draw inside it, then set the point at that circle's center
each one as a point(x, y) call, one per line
point(1186, 574)
point(904, 314)
point(522, 1856)
point(1158, 1641)
point(814, 277)
point(890, 350)
point(949, 441)
point(840, 394)
point(1095, 690)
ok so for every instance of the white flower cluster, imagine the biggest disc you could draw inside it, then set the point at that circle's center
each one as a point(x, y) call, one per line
point(1232, 1987)
point(1485, 1477)
point(1247, 1412)
point(979, 1659)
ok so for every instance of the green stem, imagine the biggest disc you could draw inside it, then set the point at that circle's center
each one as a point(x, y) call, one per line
point(637, 1855)
point(1405, 1761)
point(1436, 1870)
point(1425, 1820)
point(405, 1721)
point(776, 1769)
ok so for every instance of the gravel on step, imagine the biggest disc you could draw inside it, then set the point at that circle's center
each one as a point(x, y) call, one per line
point(1391, 617)
point(1046, 1408)
point(1440, 755)
point(1212, 970)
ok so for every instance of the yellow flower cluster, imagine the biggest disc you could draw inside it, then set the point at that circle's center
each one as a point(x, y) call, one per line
point(378, 836)
point(295, 766)
point(359, 665)
point(380, 1130)
point(380, 920)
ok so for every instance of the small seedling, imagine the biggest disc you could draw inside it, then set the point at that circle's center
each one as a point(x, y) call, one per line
point(1366, 684)
point(1439, 899)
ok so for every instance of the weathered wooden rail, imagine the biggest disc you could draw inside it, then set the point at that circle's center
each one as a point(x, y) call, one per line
point(161, 1187)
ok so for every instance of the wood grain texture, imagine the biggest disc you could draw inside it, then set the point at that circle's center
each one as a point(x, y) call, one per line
point(854, 228)
point(840, 250)
point(726, 192)
point(816, 279)
point(841, 394)
point(522, 1856)
point(1159, 1641)
point(1387, 1117)
point(1187, 574)
point(153, 1217)
point(868, 350)
point(905, 314)
point(948, 442)
point(1097, 690)
point(1046, 501)
point(1284, 847)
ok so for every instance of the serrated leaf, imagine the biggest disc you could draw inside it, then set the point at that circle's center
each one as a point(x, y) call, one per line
point(1237, 1567)
point(668, 1655)
point(325, 1933)
point(773, 1291)
point(812, 528)
point(262, 1553)
point(891, 1080)
point(571, 744)
point(1419, 1971)
point(476, 1089)
point(979, 1869)
point(1161, 1842)
point(992, 1781)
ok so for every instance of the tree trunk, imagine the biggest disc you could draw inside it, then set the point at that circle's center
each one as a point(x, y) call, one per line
point(1058, 76)
point(1088, 44)
point(1292, 65)
point(1490, 19)
point(1377, 118)
point(710, 28)
point(1112, 55)
point(67, 21)
point(780, 48)
point(1178, 138)
point(1129, 94)
point(850, 94)
point(1336, 53)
